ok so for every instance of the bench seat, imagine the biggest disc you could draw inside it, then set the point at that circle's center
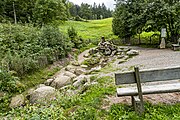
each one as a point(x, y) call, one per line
point(149, 89)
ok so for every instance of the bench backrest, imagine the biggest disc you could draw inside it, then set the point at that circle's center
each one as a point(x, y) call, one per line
point(152, 75)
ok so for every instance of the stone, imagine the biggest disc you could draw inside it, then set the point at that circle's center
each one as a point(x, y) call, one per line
point(80, 71)
point(93, 51)
point(70, 68)
point(61, 81)
point(75, 63)
point(120, 50)
point(43, 95)
point(132, 52)
point(94, 83)
point(85, 87)
point(17, 101)
point(107, 52)
point(86, 55)
point(121, 61)
point(80, 80)
point(71, 92)
point(98, 68)
point(48, 82)
point(113, 53)
point(69, 74)
point(84, 66)
point(66, 87)
point(126, 57)
point(125, 49)
point(120, 56)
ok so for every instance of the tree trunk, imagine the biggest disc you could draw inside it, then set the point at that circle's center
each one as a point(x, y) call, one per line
point(14, 10)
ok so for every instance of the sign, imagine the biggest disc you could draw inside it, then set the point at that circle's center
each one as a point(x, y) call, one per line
point(163, 32)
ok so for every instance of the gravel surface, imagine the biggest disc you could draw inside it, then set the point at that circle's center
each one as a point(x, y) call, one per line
point(153, 58)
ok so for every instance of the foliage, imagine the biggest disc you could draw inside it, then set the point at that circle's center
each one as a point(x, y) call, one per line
point(156, 112)
point(47, 11)
point(8, 83)
point(75, 39)
point(91, 61)
point(147, 15)
point(38, 12)
point(25, 49)
point(90, 12)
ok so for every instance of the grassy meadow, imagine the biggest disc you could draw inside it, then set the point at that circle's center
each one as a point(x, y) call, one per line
point(91, 29)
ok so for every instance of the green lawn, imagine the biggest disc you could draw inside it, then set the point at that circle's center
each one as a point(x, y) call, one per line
point(92, 29)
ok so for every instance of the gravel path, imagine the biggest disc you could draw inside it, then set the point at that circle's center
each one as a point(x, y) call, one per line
point(153, 58)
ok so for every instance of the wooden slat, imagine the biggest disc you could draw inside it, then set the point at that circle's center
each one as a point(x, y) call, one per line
point(151, 89)
point(149, 75)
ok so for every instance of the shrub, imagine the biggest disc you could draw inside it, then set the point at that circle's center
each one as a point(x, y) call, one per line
point(8, 83)
point(75, 39)
point(25, 49)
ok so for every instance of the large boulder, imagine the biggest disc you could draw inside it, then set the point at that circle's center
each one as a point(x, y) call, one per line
point(43, 95)
point(17, 101)
point(61, 81)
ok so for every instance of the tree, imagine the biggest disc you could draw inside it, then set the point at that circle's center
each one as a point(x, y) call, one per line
point(47, 11)
point(133, 14)
point(85, 11)
point(38, 12)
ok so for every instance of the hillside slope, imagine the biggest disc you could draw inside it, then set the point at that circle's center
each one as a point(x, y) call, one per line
point(92, 29)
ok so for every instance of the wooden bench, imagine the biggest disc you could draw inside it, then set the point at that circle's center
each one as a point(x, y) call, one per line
point(176, 46)
point(153, 75)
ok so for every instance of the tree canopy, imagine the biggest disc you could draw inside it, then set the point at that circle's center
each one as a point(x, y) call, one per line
point(33, 11)
point(150, 15)
point(88, 12)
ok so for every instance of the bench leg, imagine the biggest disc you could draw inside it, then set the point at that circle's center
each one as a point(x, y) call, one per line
point(138, 105)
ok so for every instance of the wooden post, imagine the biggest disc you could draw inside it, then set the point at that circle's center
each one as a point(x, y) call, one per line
point(140, 95)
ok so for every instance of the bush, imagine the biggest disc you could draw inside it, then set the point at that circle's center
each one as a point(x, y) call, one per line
point(25, 49)
point(8, 83)
point(77, 41)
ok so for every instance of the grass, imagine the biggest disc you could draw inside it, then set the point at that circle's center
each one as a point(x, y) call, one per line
point(145, 38)
point(38, 77)
point(92, 29)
